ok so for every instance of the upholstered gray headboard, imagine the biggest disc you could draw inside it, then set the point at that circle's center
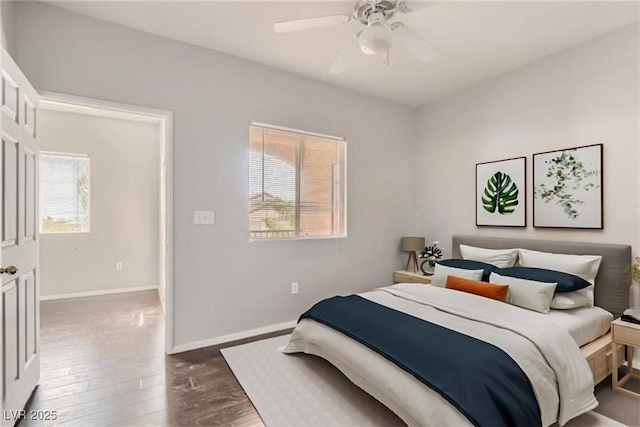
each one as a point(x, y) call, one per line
point(612, 282)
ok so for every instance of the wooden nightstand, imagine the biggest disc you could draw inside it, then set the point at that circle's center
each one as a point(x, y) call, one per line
point(599, 356)
point(628, 334)
point(404, 276)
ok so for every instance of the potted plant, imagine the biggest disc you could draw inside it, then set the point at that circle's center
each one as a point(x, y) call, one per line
point(634, 289)
point(430, 254)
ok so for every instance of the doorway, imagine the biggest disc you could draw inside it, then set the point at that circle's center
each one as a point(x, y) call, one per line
point(99, 114)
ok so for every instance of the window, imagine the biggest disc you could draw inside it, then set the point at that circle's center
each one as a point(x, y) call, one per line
point(64, 193)
point(297, 184)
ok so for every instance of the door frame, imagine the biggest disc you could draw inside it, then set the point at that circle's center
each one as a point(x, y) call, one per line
point(164, 118)
point(3, 52)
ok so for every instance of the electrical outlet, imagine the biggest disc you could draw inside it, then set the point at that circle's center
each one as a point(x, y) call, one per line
point(295, 288)
point(118, 266)
point(204, 217)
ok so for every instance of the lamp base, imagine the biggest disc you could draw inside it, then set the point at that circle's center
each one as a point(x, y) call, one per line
point(413, 260)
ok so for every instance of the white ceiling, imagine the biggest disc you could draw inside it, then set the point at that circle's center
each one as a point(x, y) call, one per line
point(477, 40)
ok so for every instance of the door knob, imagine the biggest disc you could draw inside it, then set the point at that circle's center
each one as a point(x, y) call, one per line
point(12, 269)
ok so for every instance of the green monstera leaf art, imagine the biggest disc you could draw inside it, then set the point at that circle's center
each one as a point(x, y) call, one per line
point(500, 194)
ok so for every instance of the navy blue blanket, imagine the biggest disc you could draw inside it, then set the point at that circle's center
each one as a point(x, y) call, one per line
point(480, 380)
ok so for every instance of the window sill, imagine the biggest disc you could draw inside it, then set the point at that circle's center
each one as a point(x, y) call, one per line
point(55, 233)
point(290, 239)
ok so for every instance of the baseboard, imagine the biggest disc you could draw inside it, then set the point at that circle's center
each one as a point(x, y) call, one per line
point(96, 293)
point(233, 337)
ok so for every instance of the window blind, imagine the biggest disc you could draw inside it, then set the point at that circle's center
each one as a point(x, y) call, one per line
point(297, 184)
point(64, 189)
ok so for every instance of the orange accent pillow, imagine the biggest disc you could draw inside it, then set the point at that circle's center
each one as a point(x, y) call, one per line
point(484, 289)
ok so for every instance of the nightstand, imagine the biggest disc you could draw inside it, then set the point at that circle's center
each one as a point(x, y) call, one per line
point(404, 276)
point(628, 334)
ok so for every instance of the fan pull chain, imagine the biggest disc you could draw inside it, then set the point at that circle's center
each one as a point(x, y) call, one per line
point(386, 60)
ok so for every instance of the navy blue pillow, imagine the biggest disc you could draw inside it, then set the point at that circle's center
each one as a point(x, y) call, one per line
point(566, 282)
point(467, 264)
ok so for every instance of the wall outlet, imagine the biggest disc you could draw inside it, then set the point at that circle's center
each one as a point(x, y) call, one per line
point(204, 217)
point(118, 266)
point(295, 288)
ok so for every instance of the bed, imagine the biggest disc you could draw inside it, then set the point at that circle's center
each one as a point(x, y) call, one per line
point(545, 347)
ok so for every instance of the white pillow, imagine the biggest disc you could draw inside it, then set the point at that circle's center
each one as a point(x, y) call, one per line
point(570, 300)
point(501, 258)
point(585, 266)
point(441, 273)
point(528, 294)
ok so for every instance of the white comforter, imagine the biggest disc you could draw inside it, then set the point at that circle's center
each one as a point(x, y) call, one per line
point(559, 374)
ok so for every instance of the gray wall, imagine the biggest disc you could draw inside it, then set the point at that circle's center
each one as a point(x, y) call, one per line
point(124, 211)
point(584, 95)
point(223, 284)
point(8, 25)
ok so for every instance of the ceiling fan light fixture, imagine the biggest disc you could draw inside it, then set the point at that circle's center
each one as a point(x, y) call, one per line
point(375, 40)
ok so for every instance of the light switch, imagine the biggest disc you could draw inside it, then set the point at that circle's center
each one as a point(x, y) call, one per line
point(204, 217)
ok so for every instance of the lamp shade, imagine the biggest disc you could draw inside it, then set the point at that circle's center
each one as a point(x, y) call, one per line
point(410, 244)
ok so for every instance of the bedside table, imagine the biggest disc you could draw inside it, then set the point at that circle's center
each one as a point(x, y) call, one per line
point(404, 276)
point(628, 334)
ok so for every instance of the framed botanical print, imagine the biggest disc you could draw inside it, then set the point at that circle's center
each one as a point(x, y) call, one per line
point(567, 188)
point(501, 193)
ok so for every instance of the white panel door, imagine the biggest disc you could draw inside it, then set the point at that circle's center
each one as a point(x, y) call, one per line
point(20, 304)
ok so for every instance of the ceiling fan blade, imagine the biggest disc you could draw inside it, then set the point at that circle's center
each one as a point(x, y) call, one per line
point(408, 6)
point(308, 23)
point(413, 43)
point(341, 62)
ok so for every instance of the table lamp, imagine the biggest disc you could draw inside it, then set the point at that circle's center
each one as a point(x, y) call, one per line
point(412, 245)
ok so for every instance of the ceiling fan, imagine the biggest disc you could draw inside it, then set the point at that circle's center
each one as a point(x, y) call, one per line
point(376, 38)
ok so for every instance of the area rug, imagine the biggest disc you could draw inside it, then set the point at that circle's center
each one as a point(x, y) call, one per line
point(297, 390)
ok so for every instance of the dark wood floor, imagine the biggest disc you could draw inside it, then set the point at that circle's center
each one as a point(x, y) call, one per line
point(103, 363)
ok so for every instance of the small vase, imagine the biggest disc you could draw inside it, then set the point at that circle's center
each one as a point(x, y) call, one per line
point(634, 296)
point(428, 267)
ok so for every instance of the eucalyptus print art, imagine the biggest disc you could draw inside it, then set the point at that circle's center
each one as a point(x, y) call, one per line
point(567, 188)
point(500, 193)
point(567, 174)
